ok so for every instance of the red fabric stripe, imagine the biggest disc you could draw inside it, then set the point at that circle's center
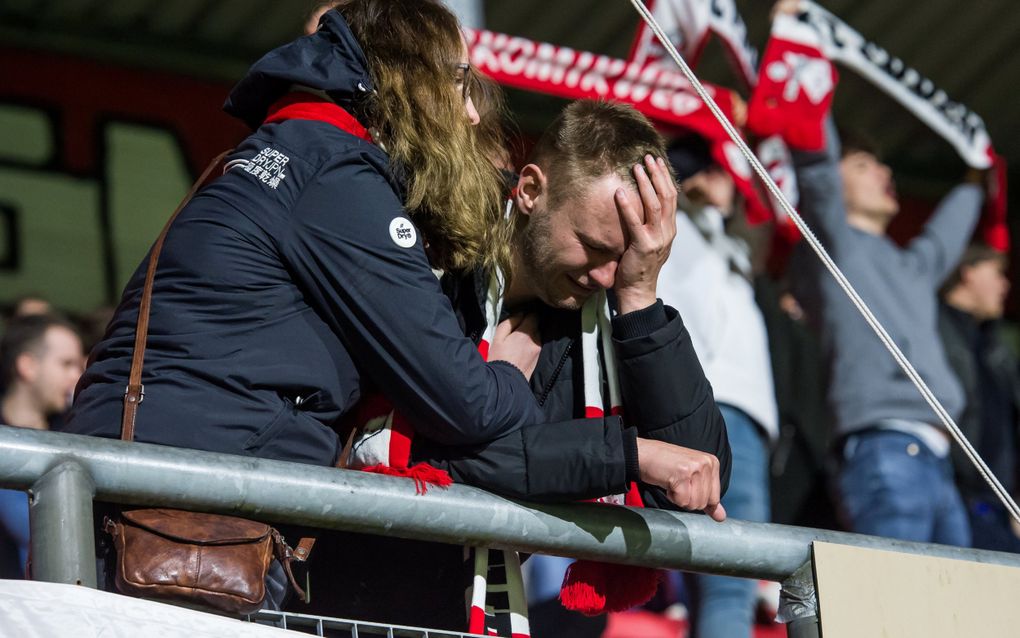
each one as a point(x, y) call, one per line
point(400, 441)
point(633, 496)
point(306, 106)
point(483, 349)
point(616, 410)
point(994, 229)
point(520, 635)
point(476, 624)
point(591, 412)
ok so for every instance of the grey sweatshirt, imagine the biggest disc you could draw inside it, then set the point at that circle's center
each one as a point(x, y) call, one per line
point(866, 386)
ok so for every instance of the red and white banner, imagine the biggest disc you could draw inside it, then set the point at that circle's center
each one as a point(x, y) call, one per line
point(775, 157)
point(662, 94)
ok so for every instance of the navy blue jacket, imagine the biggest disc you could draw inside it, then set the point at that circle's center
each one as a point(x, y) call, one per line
point(288, 287)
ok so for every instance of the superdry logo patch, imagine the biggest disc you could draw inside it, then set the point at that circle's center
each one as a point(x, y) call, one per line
point(268, 166)
point(402, 231)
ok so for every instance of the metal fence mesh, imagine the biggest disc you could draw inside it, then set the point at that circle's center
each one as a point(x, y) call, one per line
point(344, 628)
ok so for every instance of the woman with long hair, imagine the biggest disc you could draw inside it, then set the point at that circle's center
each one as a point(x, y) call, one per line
point(303, 278)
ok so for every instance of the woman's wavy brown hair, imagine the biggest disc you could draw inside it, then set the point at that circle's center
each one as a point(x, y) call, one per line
point(454, 193)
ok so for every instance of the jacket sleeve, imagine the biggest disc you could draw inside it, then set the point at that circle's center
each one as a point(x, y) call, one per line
point(666, 395)
point(573, 460)
point(939, 247)
point(362, 265)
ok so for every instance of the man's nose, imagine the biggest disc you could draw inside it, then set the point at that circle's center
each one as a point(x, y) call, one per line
point(605, 275)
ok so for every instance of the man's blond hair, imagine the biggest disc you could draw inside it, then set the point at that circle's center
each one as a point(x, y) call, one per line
point(591, 139)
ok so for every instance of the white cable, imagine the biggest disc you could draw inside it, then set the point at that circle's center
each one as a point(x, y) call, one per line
point(840, 278)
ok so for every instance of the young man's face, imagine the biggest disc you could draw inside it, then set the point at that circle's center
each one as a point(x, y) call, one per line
point(52, 372)
point(711, 187)
point(986, 280)
point(868, 187)
point(570, 252)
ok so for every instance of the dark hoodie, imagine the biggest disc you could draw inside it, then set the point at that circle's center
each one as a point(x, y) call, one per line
point(291, 284)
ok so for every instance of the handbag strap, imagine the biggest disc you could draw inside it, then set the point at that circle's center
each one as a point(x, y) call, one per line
point(135, 391)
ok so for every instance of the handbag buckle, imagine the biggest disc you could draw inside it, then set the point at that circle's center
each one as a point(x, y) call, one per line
point(141, 392)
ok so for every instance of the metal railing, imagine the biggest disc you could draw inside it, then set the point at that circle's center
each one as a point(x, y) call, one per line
point(64, 473)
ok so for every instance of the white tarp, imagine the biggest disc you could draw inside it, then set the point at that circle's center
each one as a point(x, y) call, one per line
point(30, 609)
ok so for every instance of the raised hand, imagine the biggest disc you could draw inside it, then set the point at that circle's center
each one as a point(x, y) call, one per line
point(650, 230)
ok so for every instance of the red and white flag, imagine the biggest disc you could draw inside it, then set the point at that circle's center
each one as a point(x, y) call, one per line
point(795, 86)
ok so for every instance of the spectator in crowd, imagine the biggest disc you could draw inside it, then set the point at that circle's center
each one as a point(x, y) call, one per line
point(587, 220)
point(895, 477)
point(326, 332)
point(708, 279)
point(799, 467)
point(25, 305)
point(973, 299)
point(284, 287)
point(40, 361)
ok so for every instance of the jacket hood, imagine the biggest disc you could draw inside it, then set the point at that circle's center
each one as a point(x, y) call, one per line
point(329, 60)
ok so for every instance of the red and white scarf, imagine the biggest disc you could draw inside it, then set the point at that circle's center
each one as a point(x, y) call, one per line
point(383, 445)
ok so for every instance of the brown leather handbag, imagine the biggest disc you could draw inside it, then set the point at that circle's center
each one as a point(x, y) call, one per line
point(202, 560)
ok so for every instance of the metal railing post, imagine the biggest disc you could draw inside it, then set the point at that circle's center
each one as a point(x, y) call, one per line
point(60, 516)
point(798, 604)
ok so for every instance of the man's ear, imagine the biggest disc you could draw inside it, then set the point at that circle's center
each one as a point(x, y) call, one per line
point(531, 187)
point(26, 366)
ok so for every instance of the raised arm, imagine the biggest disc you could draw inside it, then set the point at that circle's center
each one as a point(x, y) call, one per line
point(936, 251)
point(821, 191)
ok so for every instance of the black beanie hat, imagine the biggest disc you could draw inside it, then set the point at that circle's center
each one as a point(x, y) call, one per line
point(689, 155)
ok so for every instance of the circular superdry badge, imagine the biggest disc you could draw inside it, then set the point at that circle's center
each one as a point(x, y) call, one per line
point(402, 231)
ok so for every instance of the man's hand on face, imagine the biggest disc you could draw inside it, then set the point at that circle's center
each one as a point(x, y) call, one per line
point(689, 477)
point(650, 231)
point(517, 341)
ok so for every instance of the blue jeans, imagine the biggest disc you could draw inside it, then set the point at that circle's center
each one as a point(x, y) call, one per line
point(725, 604)
point(543, 576)
point(891, 485)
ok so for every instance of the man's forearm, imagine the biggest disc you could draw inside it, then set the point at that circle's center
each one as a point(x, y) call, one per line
point(572, 460)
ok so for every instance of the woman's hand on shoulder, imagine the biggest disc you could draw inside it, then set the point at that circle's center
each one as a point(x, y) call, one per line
point(518, 342)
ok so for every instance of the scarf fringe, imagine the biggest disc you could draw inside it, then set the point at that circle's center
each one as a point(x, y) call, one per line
point(594, 588)
point(423, 475)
